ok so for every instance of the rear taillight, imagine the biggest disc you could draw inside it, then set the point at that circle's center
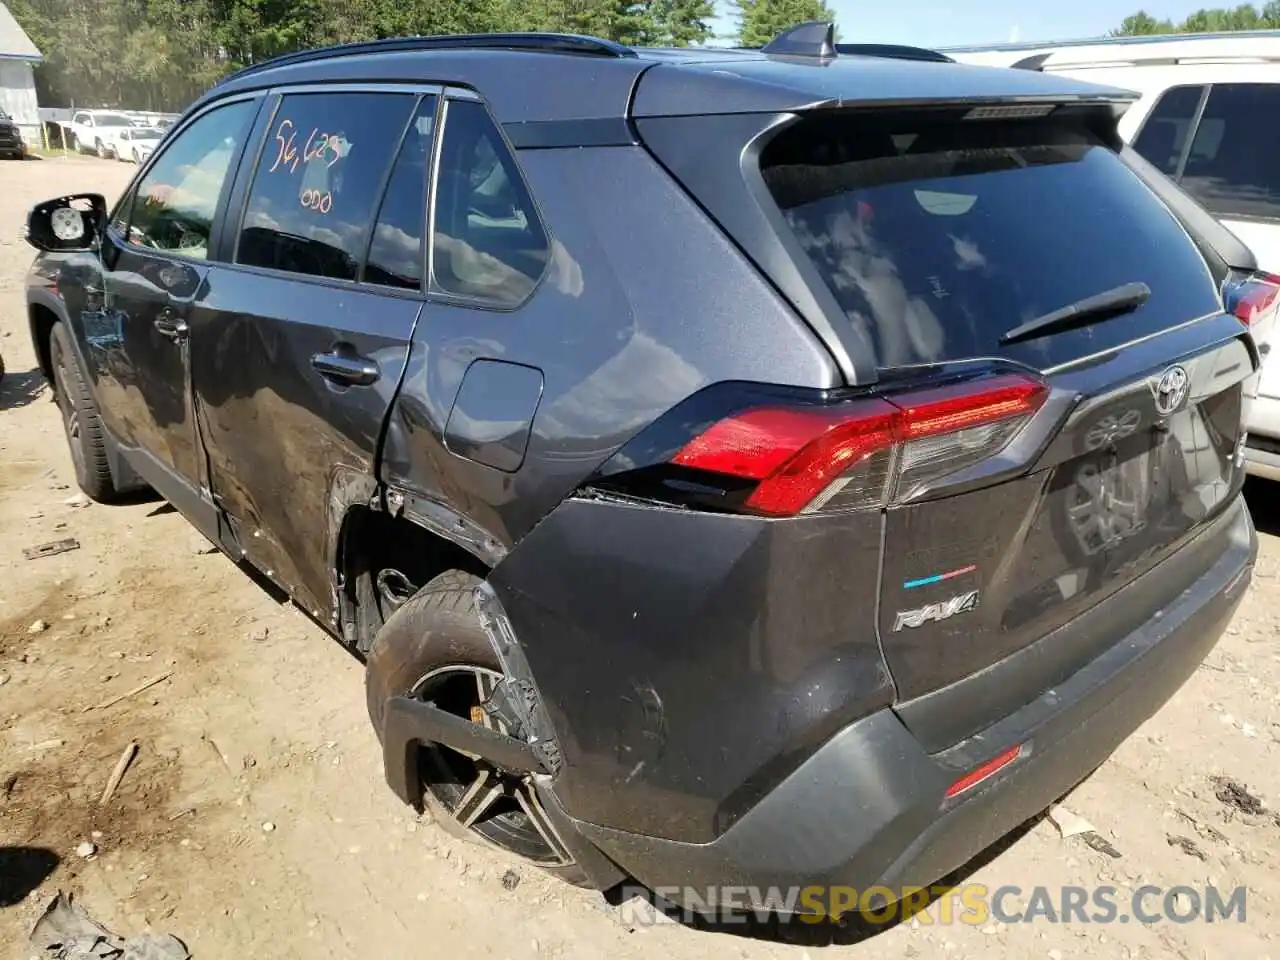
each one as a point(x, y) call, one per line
point(1252, 298)
point(862, 454)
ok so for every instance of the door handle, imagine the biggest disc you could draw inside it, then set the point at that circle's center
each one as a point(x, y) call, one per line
point(175, 328)
point(346, 368)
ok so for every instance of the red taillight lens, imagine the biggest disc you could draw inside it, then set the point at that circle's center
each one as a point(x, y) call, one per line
point(1251, 297)
point(807, 459)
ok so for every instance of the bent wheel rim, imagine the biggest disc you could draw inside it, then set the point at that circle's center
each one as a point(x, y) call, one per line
point(502, 808)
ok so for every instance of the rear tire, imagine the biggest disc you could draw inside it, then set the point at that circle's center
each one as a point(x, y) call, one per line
point(101, 149)
point(434, 646)
point(81, 419)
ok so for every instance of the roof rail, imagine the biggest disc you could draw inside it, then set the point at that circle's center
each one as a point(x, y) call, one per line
point(895, 51)
point(1118, 41)
point(526, 42)
point(817, 39)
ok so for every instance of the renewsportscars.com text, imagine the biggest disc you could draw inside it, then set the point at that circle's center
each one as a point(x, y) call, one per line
point(971, 904)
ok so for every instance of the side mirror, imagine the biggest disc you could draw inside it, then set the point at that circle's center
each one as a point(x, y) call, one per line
point(67, 224)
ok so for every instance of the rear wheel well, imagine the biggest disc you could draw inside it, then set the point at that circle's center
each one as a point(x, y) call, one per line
point(383, 561)
point(42, 321)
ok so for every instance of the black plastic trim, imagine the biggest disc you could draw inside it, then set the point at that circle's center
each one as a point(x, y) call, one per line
point(555, 134)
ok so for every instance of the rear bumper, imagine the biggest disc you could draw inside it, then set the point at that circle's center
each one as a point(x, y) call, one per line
point(868, 807)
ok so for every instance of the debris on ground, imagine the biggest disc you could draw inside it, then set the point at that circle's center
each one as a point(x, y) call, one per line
point(77, 500)
point(86, 850)
point(67, 932)
point(117, 774)
point(1187, 846)
point(145, 685)
point(39, 626)
point(1206, 830)
point(1096, 841)
point(1235, 795)
point(1069, 824)
point(50, 549)
point(260, 633)
point(510, 880)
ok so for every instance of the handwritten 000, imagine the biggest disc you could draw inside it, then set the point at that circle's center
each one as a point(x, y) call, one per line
point(319, 200)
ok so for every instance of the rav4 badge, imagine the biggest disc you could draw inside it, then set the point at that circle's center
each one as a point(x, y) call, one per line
point(936, 612)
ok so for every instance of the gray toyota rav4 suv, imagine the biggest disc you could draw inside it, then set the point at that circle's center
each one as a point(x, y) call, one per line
point(783, 466)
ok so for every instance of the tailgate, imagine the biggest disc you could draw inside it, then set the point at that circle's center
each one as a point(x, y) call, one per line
point(939, 237)
point(1134, 473)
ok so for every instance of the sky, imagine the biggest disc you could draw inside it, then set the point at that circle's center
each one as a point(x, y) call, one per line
point(941, 23)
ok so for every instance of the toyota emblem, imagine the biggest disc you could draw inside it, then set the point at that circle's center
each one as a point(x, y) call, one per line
point(1170, 390)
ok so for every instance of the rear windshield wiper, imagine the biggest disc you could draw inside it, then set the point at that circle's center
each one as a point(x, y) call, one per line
point(1101, 306)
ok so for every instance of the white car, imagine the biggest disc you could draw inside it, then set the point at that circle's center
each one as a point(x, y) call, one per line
point(132, 144)
point(94, 130)
point(1206, 118)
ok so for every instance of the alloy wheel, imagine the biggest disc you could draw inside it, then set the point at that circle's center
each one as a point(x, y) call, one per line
point(500, 807)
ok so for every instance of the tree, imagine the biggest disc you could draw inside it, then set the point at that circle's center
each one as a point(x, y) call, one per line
point(1142, 24)
point(759, 21)
point(161, 54)
point(1244, 17)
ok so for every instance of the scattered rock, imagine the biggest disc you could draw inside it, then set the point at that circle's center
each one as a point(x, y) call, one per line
point(40, 626)
point(77, 500)
point(1055, 955)
point(510, 880)
point(1187, 846)
point(259, 633)
point(4, 678)
point(1096, 841)
point(86, 850)
point(1235, 795)
point(268, 827)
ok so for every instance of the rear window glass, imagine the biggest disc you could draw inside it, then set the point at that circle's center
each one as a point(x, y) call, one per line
point(1233, 168)
point(937, 239)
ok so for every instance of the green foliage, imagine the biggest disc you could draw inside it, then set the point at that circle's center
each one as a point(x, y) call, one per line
point(161, 54)
point(759, 21)
point(1244, 17)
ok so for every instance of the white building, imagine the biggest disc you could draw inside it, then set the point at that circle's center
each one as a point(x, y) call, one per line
point(18, 58)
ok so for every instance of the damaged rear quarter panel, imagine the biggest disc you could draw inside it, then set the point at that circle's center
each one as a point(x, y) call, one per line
point(687, 660)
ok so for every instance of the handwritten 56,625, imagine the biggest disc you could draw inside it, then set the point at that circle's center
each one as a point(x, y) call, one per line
point(319, 146)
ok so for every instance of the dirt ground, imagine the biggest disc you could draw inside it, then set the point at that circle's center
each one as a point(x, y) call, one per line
point(254, 822)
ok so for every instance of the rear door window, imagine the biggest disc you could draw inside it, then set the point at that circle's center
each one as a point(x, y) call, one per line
point(319, 175)
point(1233, 167)
point(1164, 135)
point(935, 238)
point(396, 256)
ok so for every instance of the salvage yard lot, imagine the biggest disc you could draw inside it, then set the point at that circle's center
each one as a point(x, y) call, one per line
point(254, 822)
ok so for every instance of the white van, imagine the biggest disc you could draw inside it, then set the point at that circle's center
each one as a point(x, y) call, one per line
point(1209, 117)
